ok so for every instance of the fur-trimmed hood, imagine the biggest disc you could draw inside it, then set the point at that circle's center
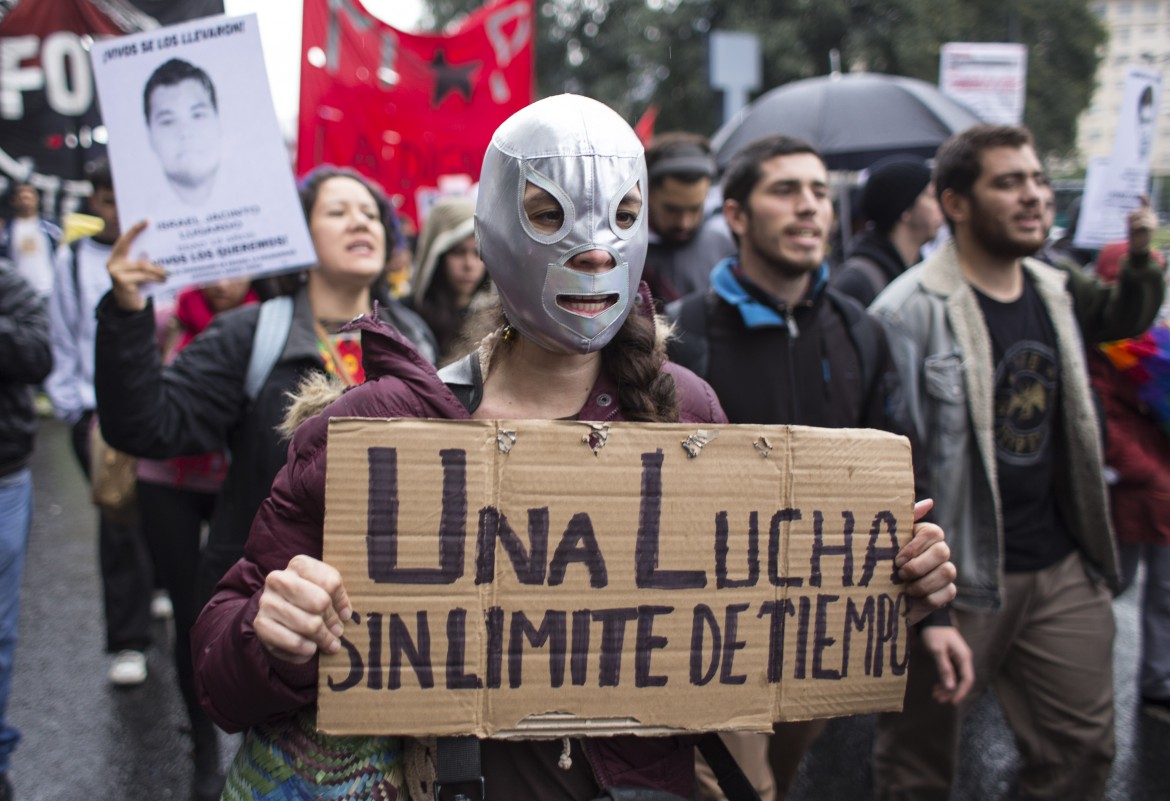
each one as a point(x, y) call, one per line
point(312, 395)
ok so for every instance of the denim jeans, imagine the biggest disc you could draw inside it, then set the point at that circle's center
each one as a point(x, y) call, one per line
point(15, 512)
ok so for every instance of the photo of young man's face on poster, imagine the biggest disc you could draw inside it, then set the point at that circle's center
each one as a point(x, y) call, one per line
point(182, 120)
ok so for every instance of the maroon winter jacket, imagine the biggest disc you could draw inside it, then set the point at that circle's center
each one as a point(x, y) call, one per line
point(1135, 446)
point(240, 684)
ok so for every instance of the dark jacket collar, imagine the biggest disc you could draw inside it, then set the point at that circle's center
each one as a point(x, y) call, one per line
point(881, 251)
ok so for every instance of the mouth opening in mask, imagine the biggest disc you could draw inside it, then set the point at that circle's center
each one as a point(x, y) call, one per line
point(587, 305)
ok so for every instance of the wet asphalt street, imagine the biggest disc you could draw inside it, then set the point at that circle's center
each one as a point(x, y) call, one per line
point(84, 740)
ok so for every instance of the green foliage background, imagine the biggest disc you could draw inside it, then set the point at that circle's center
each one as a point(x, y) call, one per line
point(631, 53)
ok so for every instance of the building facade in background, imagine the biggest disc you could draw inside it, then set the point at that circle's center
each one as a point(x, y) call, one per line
point(1139, 35)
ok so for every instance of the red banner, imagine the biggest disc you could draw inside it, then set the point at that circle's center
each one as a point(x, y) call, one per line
point(409, 109)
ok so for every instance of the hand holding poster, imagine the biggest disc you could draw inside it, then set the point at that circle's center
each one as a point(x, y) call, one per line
point(195, 148)
point(537, 579)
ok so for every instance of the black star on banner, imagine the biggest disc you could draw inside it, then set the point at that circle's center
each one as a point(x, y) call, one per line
point(451, 78)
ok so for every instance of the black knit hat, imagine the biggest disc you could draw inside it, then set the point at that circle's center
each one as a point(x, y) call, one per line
point(894, 184)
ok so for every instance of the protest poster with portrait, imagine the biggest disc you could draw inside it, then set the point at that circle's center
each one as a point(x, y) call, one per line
point(1116, 186)
point(196, 150)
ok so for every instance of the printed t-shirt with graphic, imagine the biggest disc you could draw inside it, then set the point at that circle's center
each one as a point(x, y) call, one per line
point(1025, 427)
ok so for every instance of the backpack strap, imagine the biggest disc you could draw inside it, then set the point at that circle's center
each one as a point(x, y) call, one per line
point(55, 235)
point(868, 268)
point(268, 343)
point(74, 251)
point(860, 327)
point(732, 781)
point(690, 347)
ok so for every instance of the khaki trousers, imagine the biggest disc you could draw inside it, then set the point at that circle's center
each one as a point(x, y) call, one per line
point(1048, 652)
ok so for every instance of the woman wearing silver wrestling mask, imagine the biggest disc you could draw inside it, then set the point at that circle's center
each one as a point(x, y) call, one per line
point(561, 226)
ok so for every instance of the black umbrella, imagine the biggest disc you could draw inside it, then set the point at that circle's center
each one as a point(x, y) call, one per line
point(852, 119)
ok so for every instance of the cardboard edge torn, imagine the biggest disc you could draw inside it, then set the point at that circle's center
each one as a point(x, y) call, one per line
point(554, 725)
point(597, 437)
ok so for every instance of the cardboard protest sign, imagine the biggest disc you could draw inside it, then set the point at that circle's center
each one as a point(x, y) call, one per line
point(539, 579)
point(195, 149)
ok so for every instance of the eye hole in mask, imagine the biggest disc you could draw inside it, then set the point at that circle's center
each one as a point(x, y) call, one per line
point(546, 211)
point(625, 207)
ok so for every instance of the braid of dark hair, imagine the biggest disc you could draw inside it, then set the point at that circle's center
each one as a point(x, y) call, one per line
point(634, 359)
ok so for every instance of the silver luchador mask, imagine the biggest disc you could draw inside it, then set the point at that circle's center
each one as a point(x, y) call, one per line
point(587, 158)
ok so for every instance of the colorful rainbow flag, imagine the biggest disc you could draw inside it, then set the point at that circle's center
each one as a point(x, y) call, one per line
point(1145, 361)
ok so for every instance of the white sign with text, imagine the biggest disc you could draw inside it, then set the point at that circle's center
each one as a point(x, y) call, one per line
point(989, 78)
